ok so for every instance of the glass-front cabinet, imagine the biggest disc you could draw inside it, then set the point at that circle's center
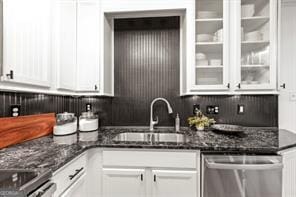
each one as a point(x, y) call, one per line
point(235, 45)
point(211, 45)
point(257, 45)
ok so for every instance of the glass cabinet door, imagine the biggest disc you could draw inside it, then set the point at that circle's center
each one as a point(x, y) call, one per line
point(211, 44)
point(257, 33)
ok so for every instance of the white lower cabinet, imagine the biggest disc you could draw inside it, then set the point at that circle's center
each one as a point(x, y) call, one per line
point(289, 172)
point(77, 189)
point(123, 182)
point(174, 183)
point(70, 179)
point(130, 173)
point(150, 174)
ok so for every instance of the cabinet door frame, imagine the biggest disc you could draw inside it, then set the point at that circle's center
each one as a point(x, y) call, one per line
point(19, 60)
point(175, 174)
point(273, 33)
point(131, 172)
point(226, 52)
point(85, 84)
point(61, 84)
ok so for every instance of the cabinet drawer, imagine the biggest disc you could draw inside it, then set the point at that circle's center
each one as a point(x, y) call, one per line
point(150, 159)
point(68, 174)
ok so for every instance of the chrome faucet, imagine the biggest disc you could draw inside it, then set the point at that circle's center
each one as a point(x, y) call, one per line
point(154, 122)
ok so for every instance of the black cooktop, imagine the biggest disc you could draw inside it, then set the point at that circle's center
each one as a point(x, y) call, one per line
point(21, 182)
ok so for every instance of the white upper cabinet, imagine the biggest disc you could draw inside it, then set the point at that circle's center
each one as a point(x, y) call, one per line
point(66, 44)
point(88, 45)
point(27, 30)
point(235, 46)
point(211, 45)
point(78, 54)
point(256, 43)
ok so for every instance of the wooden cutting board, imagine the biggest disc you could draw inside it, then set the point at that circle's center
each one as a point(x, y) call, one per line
point(23, 128)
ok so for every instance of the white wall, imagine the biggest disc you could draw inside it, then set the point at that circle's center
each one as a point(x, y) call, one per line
point(287, 102)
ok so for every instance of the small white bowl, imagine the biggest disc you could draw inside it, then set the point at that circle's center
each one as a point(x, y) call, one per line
point(207, 14)
point(248, 10)
point(204, 38)
point(200, 56)
point(253, 36)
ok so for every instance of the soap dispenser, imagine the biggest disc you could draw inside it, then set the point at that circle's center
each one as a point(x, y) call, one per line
point(177, 123)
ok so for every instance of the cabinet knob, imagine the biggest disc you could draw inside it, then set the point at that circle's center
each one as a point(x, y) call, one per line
point(154, 178)
point(10, 74)
point(238, 86)
point(228, 85)
point(96, 87)
point(283, 86)
point(142, 177)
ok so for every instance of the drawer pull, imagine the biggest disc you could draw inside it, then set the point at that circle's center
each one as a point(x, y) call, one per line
point(142, 177)
point(76, 173)
point(154, 178)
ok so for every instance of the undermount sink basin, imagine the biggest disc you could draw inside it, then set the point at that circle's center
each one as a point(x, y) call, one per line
point(150, 137)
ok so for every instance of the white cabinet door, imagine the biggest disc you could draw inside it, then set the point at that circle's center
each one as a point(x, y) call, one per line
point(77, 189)
point(123, 182)
point(256, 44)
point(174, 183)
point(27, 41)
point(289, 172)
point(88, 44)
point(211, 69)
point(66, 50)
point(287, 68)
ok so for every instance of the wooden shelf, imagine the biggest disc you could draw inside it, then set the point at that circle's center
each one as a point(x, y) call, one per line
point(209, 20)
point(255, 66)
point(253, 45)
point(208, 43)
point(254, 23)
point(209, 47)
point(208, 26)
point(208, 67)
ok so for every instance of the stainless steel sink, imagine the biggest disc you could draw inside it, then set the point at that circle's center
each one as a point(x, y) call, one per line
point(151, 137)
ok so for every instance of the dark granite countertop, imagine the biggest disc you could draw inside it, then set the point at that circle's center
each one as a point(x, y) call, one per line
point(48, 152)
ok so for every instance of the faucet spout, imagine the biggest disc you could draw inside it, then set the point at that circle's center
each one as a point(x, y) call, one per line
point(152, 121)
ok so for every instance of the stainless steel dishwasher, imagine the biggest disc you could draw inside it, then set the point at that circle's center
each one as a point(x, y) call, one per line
point(241, 176)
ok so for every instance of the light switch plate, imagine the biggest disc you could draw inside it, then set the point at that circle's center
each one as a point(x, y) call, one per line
point(240, 109)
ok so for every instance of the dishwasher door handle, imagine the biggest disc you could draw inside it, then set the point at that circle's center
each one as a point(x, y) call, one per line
point(231, 166)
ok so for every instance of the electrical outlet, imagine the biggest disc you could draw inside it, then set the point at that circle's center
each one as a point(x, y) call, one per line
point(15, 110)
point(213, 109)
point(88, 107)
point(240, 109)
point(196, 108)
